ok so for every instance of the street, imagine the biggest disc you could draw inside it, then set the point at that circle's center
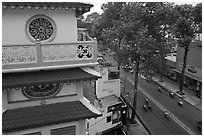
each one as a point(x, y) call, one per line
point(182, 120)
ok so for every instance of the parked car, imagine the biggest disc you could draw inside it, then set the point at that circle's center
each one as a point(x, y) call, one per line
point(128, 68)
point(107, 63)
point(103, 53)
point(131, 71)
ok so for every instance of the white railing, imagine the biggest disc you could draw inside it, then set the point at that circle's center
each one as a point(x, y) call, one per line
point(45, 55)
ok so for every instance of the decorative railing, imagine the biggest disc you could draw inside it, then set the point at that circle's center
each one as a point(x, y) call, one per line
point(40, 56)
point(82, 36)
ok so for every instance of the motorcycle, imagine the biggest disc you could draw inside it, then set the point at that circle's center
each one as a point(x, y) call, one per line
point(166, 114)
point(160, 89)
point(146, 101)
point(171, 95)
point(180, 103)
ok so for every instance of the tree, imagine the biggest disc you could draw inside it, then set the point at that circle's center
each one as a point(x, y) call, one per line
point(112, 27)
point(159, 19)
point(187, 26)
point(141, 29)
point(140, 44)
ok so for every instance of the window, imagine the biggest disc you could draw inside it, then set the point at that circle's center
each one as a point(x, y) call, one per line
point(71, 130)
point(108, 119)
point(40, 28)
point(116, 116)
point(41, 91)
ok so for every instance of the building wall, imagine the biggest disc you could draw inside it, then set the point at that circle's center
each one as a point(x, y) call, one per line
point(14, 25)
point(15, 98)
point(194, 59)
point(80, 128)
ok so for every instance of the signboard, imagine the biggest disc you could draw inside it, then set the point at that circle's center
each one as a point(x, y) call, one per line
point(106, 88)
point(114, 107)
point(191, 70)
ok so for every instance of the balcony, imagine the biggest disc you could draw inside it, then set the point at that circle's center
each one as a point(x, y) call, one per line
point(83, 35)
point(48, 56)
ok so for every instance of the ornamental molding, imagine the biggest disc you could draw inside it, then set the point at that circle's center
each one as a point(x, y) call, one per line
point(40, 28)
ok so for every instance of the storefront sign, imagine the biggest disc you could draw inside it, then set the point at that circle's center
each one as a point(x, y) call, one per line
point(106, 88)
point(114, 107)
point(191, 70)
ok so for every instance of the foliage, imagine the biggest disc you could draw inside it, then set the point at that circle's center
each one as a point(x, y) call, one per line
point(186, 28)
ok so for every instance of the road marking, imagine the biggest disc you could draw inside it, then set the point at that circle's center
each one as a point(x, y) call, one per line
point(164, 109)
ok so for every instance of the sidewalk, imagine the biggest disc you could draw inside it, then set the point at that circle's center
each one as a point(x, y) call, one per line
point(137, 129)
point(172, 86)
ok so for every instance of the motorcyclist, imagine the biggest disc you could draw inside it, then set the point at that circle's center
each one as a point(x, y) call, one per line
point(159, 89)
point(166, 113)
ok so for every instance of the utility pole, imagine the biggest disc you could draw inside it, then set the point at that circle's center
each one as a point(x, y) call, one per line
point(135, 89)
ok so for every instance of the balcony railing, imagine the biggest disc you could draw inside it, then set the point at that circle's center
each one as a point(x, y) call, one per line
point(82, 36)
point(48, 56)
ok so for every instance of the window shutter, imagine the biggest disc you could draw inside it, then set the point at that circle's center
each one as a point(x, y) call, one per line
point(71, 130)
point(34, 133)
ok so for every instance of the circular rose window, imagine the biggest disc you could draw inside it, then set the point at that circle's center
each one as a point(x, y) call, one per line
point(40, 28)
point(41, 91)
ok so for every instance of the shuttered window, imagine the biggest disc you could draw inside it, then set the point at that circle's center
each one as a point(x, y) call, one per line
point(71, 130)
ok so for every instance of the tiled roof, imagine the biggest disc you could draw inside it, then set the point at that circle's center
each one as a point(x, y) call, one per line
point(23, 79)
point(38, 116)
point(81, 8)
point(62, 4)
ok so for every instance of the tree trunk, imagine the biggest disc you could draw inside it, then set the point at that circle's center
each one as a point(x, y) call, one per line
point(183, 70)
point(161, 70)
point(119, 67)
point(135, 87)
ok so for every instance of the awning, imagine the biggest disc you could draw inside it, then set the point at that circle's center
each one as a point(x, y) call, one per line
point(193, 77)
point(23, 79)
point(44, 115)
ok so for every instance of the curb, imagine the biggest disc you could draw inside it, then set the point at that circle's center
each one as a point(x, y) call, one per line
point(140, 119)
point(142, 122)
point(168, 90)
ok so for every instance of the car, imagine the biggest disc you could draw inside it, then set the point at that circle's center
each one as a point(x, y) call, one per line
point(199, 126)
point(127, 67)
point(107, 63)
point(131, 71)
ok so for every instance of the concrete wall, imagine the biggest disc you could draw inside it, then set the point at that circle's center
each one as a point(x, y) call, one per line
point(14, 25)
